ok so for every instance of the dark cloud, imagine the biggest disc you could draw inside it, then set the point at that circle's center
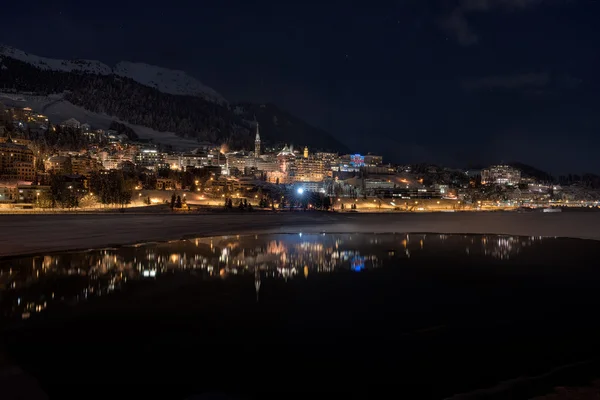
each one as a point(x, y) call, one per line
point(486, 5)
point(531, 80)
point(456, 24)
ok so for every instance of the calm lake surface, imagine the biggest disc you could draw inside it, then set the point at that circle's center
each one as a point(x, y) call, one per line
point(245, 315)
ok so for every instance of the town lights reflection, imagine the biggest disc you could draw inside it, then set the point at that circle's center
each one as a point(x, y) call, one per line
point(30, 285)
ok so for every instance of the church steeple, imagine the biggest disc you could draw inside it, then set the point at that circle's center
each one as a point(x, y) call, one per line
point(257, 143)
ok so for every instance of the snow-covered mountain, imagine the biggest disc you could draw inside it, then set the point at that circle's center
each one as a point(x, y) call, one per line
point(165, 80)
point(83, 66)
point(165, 105)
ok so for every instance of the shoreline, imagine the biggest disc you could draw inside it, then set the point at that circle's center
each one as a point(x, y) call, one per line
point(35, 234)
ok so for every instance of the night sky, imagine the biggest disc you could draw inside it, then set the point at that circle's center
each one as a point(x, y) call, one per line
point(451, 82)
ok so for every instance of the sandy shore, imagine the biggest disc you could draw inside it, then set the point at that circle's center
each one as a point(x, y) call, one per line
point(25, 234)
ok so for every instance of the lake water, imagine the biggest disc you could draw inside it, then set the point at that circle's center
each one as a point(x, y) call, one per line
point(439, 314)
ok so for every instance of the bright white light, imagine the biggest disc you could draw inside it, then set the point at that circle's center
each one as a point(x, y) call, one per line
point(300, 190)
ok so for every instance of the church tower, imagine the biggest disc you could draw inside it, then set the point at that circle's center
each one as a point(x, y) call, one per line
point(257, 143)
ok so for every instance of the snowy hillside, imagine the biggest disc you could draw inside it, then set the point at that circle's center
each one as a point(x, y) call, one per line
point(174, 107)
point(58, 110)
point(84, 66)
point(165, 80)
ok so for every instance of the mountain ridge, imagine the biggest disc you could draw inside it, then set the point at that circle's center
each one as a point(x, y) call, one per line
point(165, 80)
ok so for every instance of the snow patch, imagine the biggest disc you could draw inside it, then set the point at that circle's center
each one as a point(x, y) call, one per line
point(82, 66)
point(165, 80)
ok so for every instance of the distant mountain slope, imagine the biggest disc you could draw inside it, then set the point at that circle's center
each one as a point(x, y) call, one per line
point(165, 80)
point(129, 101)
point(152, 97)
point(279, 126)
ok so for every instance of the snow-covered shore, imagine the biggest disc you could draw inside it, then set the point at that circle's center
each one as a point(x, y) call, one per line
point(26, 234)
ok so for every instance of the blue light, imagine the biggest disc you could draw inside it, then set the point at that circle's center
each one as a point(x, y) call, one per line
point(300, 190)
point(356, 160)
point(357, 264)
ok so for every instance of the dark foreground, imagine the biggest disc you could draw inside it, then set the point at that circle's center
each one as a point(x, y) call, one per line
point(420, 316)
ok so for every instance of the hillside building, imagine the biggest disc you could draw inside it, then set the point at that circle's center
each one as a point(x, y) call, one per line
point(500, 175)
point(17, 162)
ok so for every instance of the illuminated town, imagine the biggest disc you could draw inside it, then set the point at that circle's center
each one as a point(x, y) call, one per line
point(29, 282)
point(73, 166)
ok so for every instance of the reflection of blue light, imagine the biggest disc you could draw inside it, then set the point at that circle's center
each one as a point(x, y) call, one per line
point(357, 263)
point(300, 190)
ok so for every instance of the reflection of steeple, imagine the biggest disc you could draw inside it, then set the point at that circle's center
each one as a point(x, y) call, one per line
point(257, 282)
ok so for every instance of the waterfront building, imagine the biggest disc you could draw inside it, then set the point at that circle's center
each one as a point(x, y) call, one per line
point(32, 193)
point(309, 169)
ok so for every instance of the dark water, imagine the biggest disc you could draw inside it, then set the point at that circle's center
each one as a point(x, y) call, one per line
point(430, 315)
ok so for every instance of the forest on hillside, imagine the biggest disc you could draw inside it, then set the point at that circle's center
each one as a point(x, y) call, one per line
point(187, 116)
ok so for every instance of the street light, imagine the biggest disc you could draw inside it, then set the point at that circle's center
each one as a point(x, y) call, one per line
point(300, 191)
